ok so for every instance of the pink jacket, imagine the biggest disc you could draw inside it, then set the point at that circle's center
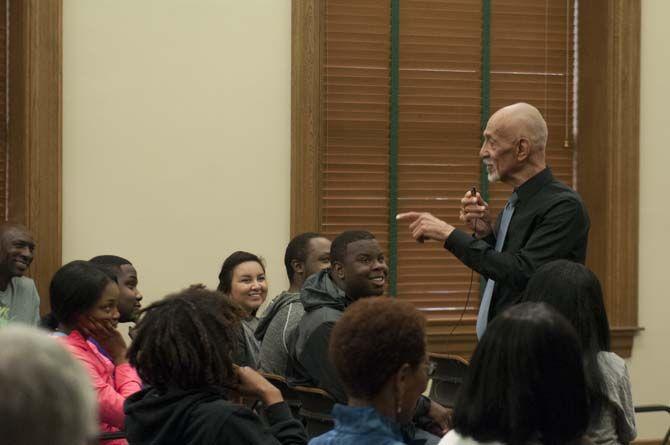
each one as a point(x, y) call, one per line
point(112, 383)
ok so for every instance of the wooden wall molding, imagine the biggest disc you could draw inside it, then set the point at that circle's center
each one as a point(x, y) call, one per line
point(608, 151)
point(35, 130)
point(307, 55)
point(607, 147)
point(463, 340)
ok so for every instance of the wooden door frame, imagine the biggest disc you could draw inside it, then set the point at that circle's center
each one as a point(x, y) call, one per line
point(35, 130)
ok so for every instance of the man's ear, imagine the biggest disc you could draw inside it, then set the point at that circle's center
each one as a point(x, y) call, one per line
point(298, 266)
point(338, 268)
point(523, 149)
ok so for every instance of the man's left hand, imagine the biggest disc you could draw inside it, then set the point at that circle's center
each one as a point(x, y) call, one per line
point(424, 226)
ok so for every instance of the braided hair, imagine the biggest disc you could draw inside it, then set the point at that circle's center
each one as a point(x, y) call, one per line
point(186, 340)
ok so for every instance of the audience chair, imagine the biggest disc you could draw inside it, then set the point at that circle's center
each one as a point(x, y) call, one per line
point(315, 410)
point(653, 409)
point(447, 378)
point(105, 436)
point(289, 393)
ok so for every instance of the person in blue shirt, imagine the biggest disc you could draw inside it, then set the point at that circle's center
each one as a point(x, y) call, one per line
point(379, 351)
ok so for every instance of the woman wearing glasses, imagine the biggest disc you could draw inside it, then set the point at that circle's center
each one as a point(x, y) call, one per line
point(378, 348)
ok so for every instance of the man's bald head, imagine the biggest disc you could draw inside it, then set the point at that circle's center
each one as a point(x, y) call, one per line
point(522, 120)
point(514, 144)
point(16, 249)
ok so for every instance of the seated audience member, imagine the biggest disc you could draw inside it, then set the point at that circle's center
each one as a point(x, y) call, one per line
point(526, 383)
point(306, 254)
point(19, 301)
point(383, 378)
point(242, 279)
point(358, 270)
point(575, 292)
point(182, 349)
point(126, 277)
point(46, 395)
point(84, 300)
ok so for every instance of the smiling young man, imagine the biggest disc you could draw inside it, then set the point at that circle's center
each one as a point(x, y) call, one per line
point(544, 220)
point(358, 270)
point(126, 275)
point(19, 300)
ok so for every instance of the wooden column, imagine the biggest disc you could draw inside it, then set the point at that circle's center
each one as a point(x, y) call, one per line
point(35, 130)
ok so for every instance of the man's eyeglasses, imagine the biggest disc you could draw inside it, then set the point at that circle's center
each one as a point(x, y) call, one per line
point(431, 368)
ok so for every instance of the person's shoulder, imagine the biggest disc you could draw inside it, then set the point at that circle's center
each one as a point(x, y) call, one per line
point(611, 364)
point(24, 285)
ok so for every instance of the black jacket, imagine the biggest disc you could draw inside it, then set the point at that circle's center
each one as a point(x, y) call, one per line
point(309, 364)
point(205, 417)
point(549, 223)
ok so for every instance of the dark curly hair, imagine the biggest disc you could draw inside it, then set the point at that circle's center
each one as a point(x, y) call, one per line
point(186, 340)
point(372, 340)
point(526, 381)
point(229, 265)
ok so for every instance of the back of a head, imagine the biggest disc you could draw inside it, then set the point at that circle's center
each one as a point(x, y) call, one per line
point(75, 288)
point(526, 381)
point(338, 249)
point(575, 292)
point(186, 340)
point(372, 340)
point(47, 397)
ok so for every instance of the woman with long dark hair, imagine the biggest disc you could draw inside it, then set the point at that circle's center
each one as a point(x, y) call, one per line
point(575, 292)
point(526, 383)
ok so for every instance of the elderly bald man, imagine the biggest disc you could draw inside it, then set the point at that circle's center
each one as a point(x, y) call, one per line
point(544, 220)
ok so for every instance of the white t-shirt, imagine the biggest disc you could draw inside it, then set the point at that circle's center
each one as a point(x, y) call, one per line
point(453, 438)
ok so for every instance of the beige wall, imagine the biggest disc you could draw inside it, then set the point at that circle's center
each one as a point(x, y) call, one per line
point(176, 135)
point(176, 149)
point(651, 354)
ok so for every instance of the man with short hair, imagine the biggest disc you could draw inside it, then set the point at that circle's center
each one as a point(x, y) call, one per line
point(358, 270)
point(130, 296)
point(47, 396)
point(544, 220)
point(305, 255)
point(19, 300)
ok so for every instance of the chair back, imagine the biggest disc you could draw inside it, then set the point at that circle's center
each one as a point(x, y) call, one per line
point(316, 409)
point(448, 377)
point(289, 393)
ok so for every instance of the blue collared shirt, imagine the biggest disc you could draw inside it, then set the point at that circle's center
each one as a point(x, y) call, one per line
point(360, 426)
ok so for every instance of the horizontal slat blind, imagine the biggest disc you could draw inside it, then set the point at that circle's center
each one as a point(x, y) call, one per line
point(440, 57)
point(534, 63)
point(440, 106)
point(356, 111)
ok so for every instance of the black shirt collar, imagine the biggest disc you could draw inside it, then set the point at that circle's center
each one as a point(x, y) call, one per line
point(526, 190)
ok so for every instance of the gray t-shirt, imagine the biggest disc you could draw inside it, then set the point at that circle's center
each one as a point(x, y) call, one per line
point(616, 424)
point(20, 302)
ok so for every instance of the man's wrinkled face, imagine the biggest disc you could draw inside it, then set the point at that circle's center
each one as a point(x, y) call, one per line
point(16, 251)
point(364, 270)
point(499, 151)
